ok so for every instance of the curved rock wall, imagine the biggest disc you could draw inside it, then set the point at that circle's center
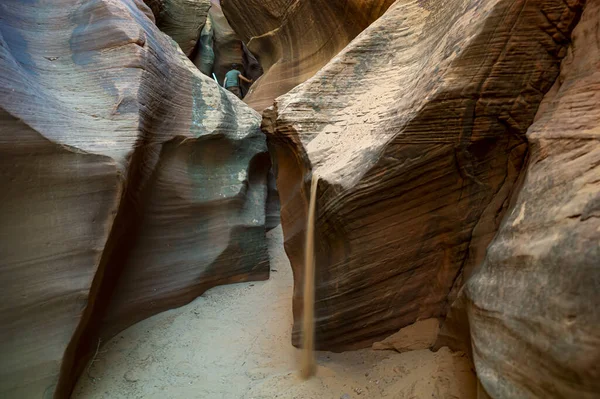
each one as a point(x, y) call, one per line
point(416, 130)
point(228, 46)
point(131, 183)
point(534, 306)
point(205, 56)
point(182, 20)
point(229, 49)
point(294, 39)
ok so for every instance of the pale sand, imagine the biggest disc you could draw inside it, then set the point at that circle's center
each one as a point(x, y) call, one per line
point(234, 342)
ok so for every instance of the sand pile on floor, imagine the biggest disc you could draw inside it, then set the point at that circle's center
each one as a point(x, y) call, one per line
point(234, 342)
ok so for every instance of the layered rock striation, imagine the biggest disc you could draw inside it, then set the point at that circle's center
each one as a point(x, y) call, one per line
point(417, 133)
point(294, 39)
point(534, 304)
point(131, 183)
point(229, 49)
point(205, 55)
point(182, 20)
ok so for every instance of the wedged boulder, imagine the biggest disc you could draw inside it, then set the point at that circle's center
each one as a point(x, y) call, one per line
point(416, 131)
point(294, 39)
point(183, 20)
point(534, 306)
point(130, 183)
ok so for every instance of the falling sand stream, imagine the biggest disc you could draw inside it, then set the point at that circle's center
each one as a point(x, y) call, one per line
point(308, 366)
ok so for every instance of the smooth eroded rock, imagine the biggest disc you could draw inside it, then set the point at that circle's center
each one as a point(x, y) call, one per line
point(229, 49)
point(416, 131)
point(131, 183)
point(205, 56)
point(534, 305)
point(294, 39)
point(183, 20)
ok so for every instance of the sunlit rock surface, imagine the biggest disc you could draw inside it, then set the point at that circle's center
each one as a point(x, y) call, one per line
point(534, 305)
point(130, 184)
point(417, 132)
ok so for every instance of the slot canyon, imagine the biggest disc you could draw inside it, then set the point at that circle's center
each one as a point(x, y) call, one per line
point(160, 250)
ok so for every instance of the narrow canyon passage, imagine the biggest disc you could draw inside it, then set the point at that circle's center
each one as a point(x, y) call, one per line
point(150, 149)
point(234, 342)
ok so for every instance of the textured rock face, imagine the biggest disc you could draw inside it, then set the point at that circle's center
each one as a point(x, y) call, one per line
point(417, 133)
point(229, 49)
point(205, 56)
point(183, 20)
point(57, 210)
point(228, 46)
point(131, 183)
point(294, 39)
point(535, 301)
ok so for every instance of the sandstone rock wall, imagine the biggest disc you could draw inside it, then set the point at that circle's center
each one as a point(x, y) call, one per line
point(182, 20)
point(131, 183)
point(229, 49)
point(294, 39)
point(534, 305)
point(205, 55)
point(416, 130)
point(228, 46)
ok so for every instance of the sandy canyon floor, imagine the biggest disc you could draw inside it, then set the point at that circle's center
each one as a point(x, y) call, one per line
point(234, 342)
